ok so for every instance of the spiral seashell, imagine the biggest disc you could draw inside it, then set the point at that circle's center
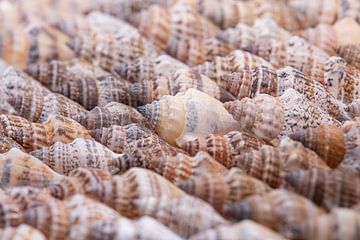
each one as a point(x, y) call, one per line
point(121, 191)
point(268, 28)
point(107, 50)
point(80, 180)
point(322, 36)
point(340, 222)
point(51, 218)
point(354, 108)
point(33, 136)
point(342, 80)
point(327, 189)
point(350, 53)
point(7, 143)
point(312, 90)
point(121, 139)
point(181, 118)
point(180, 213)
point(22, 232)
point(11, 214)
point(262, 116)
point(112, 113)
point(33, 44)
point(182, 167)
point(224, 148)
point(19, 168)
point(294, 52)
point(223, 189)
point(246, 229)
point(27, 197)
point(240, 36)
point(288, 208)
point(351, 131)
point(326, 140)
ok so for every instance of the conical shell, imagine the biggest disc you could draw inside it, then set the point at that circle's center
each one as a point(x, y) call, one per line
point(222, 189)
point(352, 142)
point(182, 167)
point(181, 118)
point(22, 232)
point(11, 214)
point(239, 37)
point(7, 143)
point(33, 136)
point(326, 140)
point(354, 108)
point(248, 230)
point(224, 148)
point(121, 139)
point(19, 168)
point(327, 189)
point(180, 214)
point(121, 191)
point(262, 116)
point(113, 113)
point(289, 210)
point(350, 53)
point(27, 197)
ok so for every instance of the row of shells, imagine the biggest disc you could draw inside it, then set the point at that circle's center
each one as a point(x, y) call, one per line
point(179, 119)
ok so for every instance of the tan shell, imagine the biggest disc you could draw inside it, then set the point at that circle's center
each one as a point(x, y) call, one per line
point(223, 189)
point(327, 189)
point(240, 36)
point(36, 135)
point(22, 232)
point(19, 168)
point(352, 142)
point(248, 230)
point(347, 31)
point(354, 108)
point(184, 117)
point(7, 143)
point(262, 116)
point(11, 213)
point(326, 140)
point(286, 208)
point(350, 53)
point(224, 148)
point(179, 214)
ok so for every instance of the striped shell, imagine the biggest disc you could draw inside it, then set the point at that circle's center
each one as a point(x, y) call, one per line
point(22, 232)
point(351, 53)
point(326, 140)
point(353, 108)
point(327, 189)
point(183, 117)
point(223, 189)
point(36, 135)
point(179, 214)
point(224, 148)
point(11, 213)
point(352, 143)
point(289, 210)
point(7, 143)
point(262, 116)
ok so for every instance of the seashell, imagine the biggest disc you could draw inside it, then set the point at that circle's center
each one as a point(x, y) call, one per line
point(288, 208)
point(224, 148)
point(144, 228)
point(314, 91)
point(354, 108)
point(262, 116)
point(350, 53)
point(342, 80)
point(339, 222)
point(121, 139)
point(294, 52)
point(296, 156)
point(28, 98)
point(180, 213)
point(11, 214)
point(106, 50)
point(239, 37)
point(63, 158)
point(347, 31)
point(80, 180)
point(33, 136)
point(27, 197)
point(7, 143)
point(248, 230)
point(223, 189)
point(327, 189)
point(351, 131)
point(19, 168)
point(191, 108)
point(22, 232)
point(322, 36)
point(316, 12)
point(326, 140)
point(349, 8)
point(268, 28)
point(112, 113)
point(51, 218)
point(35, 43)
point(182, 167)
point(121, 191)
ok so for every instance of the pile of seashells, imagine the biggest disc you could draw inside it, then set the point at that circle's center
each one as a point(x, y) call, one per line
point(180, 119)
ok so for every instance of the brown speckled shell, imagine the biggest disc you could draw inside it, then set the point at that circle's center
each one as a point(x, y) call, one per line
point(351, 53)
